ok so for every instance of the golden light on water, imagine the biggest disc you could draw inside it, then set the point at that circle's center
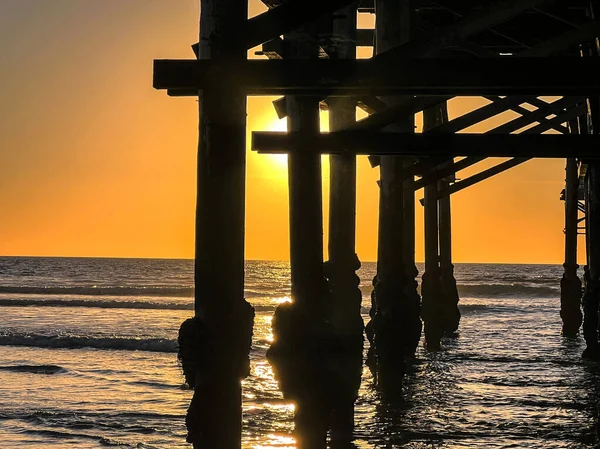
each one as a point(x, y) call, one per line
point(283, 300)
point(279, 442)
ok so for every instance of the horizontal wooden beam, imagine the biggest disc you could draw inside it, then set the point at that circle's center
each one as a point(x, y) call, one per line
point(286, 17)
point(501, 76)
point(365, 37)
point(433, 144)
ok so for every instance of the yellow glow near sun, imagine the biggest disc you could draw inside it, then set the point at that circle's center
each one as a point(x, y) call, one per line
point(278, 160)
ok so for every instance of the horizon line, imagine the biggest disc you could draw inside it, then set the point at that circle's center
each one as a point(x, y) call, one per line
point(251, 260)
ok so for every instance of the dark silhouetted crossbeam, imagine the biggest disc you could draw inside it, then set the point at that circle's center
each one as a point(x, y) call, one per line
point(391, 114)
point(482, 176)
point(421, 167)
point(448, 145)
point(489, 15)
point(447, 170)
point(587, 32)
point(538, 103)
point(286, 17)
point(546, 48)
point(502, 76)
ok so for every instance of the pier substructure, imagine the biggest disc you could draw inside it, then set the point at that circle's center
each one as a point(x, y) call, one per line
point(570, 284)
point(591, 294)
point(451, 313)
point(495, 50)
point(346, 320)
point(449, 291)
point(431, 288)
point(214, 345)
point(395, 328)
point(317, 348)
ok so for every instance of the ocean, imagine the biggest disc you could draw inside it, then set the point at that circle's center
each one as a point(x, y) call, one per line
point(88, 360)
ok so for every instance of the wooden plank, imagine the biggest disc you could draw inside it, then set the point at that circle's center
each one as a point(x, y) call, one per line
point(429, 144)
point(537, 115)
point(480, 114)
point(445, 170)
point(482, 176)
point(538, 103)
point(502, 76)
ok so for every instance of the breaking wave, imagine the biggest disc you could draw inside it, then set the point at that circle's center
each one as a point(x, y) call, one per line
point(508, 290)
point(107, 304)
point(80, 342)
point(33, 369)
point(36, 302)
point(103, 291)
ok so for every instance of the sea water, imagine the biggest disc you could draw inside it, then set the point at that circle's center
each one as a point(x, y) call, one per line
point(88, 359)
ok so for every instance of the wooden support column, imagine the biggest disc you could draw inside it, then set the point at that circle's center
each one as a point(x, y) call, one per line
point(431, 291)
point(347, 323)
point(439, 291)
point(451, 318)
point(592, 273)
point(570, 284)
point(395, 328)
point(302, 328)
point(591, 295)
point(214, 345)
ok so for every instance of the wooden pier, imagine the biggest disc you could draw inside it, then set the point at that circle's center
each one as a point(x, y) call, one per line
point(513, 53)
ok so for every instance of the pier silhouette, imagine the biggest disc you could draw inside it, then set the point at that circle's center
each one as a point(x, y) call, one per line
point(515, 54)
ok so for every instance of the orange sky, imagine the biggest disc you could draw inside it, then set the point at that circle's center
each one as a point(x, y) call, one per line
point(94, 162)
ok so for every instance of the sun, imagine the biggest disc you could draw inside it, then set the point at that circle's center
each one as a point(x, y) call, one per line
point(279, 161)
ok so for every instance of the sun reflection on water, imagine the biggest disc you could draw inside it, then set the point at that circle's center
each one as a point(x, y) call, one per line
point(279, 442)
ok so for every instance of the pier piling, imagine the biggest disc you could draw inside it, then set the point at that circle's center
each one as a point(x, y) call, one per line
point(347, 323)
point(450, 298)
point(591, 294)
point(214, 345)
point(431, 290)
point(395, 329)
point(570, 284)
